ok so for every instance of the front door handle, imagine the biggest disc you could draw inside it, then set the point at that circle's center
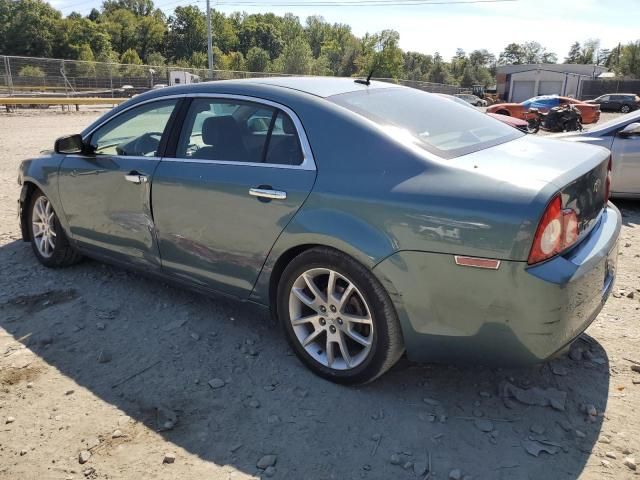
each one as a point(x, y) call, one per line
point(268, 193)
point(135, 177)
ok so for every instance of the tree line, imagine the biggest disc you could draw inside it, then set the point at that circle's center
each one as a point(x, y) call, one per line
point(136, 32)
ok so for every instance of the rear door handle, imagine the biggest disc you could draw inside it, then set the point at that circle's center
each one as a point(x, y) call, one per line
point(268, 193)
point(135, 177)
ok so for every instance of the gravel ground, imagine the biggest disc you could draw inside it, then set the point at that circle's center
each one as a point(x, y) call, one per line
point(105, 374)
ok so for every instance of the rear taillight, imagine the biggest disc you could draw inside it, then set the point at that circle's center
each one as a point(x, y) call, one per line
point(607, 182)
point(557, 230)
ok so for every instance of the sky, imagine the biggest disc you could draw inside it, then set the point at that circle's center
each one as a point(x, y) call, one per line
point(556, 24)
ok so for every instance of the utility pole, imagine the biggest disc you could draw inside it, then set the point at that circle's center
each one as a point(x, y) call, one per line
point(209, 41)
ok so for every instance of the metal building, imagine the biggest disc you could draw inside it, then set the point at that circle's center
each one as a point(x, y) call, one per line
point(516, 83)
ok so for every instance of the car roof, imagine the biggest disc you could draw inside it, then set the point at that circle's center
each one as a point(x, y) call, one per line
point(318, 86)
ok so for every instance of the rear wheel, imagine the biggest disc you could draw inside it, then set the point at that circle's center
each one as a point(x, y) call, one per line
point(625, 109)
point(338, 318)
point(48, 240)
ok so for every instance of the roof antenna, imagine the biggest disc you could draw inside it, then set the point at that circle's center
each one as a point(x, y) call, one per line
point(366, 82)
point(377, 49)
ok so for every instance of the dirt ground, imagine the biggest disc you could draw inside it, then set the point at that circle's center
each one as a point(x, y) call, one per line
point(105, 366)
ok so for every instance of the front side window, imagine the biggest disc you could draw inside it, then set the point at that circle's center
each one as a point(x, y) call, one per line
point(136, 132)
point(430, 121)
point(238, 131)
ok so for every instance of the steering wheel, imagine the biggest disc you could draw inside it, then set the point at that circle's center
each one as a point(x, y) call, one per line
point(145, 145)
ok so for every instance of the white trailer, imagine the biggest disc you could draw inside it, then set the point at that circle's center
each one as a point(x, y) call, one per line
point(178, 77)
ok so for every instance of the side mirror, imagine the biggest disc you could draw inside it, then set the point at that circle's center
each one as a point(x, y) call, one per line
point(630, 130)
point(69, 144)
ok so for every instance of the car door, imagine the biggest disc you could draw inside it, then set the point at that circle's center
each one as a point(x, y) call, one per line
point(105, 193)
point(605, 102)
point(241, 169)
point(625, 173)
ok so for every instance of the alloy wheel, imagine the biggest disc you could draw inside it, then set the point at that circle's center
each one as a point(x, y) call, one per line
point(43, 226)
point(331, 319)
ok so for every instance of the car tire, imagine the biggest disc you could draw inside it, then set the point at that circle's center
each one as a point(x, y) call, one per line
point(625, 109)
point(48, 239)
point(321, 328)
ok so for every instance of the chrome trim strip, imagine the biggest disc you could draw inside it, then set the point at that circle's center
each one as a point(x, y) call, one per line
point(239, 164)
point(308, 162)
point(460, 260)
point(267, 193)
point(98, 156)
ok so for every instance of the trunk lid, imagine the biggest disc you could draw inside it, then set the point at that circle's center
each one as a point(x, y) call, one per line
point(577, 171)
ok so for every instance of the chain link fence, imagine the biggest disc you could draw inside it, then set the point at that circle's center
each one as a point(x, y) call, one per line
point(30, 76)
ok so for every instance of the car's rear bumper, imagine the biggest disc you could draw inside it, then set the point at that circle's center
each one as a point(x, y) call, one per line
point(515, 315)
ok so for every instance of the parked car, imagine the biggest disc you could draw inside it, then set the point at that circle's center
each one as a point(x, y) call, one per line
point(622, 136)
point(472, 99)
point(371, 218)
point(511, 121)
point(617, 102)
point(590, 113)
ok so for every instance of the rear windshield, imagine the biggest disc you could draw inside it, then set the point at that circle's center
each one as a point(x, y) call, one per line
point(437, 124)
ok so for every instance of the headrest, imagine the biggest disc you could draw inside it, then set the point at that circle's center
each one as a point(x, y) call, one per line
point(287, 125)
point(215, 129)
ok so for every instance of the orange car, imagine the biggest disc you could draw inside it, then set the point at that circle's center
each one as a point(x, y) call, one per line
point(590, 113)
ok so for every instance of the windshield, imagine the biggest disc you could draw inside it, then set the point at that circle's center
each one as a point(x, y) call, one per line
point(432, 122)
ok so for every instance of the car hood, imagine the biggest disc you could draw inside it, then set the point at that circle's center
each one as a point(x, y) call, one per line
point(533, 161)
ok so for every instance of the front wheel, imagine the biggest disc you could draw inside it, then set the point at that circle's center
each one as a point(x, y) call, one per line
point(338, 318)
point(48, 239)
point(625, 109)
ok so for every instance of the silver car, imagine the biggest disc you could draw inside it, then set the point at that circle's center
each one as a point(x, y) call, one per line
point(622, 136)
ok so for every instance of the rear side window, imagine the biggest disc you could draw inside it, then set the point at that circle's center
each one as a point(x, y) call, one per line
point(432, 122)
point(238, 131)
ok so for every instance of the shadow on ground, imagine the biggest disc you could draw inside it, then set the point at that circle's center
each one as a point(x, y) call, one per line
point(102, 327)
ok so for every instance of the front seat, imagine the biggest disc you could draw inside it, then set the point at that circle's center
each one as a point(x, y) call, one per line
point(223, 139)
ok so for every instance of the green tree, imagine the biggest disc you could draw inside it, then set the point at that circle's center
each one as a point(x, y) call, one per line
point(187, 32)
point(417, 65)
point(574, 53)
point(630, 60)
point(315, 32)
point(513, 54)
point(122, 25)
point(297, 57)
point(156, 59)
point(224, 34)
point(139, 8)
point(73, 33)
point(131, 59)
point(28, 28)
point(30, 71)
point(254, 32)
point(290, 28)
point(257, 60)
point(150, 33)
point(236, 62)
point(87, 67)
point(439, 71)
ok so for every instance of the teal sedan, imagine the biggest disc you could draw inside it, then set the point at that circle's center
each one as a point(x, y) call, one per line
point(372, 219)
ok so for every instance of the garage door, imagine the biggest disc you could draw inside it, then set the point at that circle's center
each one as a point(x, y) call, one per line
point(522, 91)
point(549, 87)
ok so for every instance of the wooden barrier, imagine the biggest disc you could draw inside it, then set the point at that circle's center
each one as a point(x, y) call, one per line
point(60, 101)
